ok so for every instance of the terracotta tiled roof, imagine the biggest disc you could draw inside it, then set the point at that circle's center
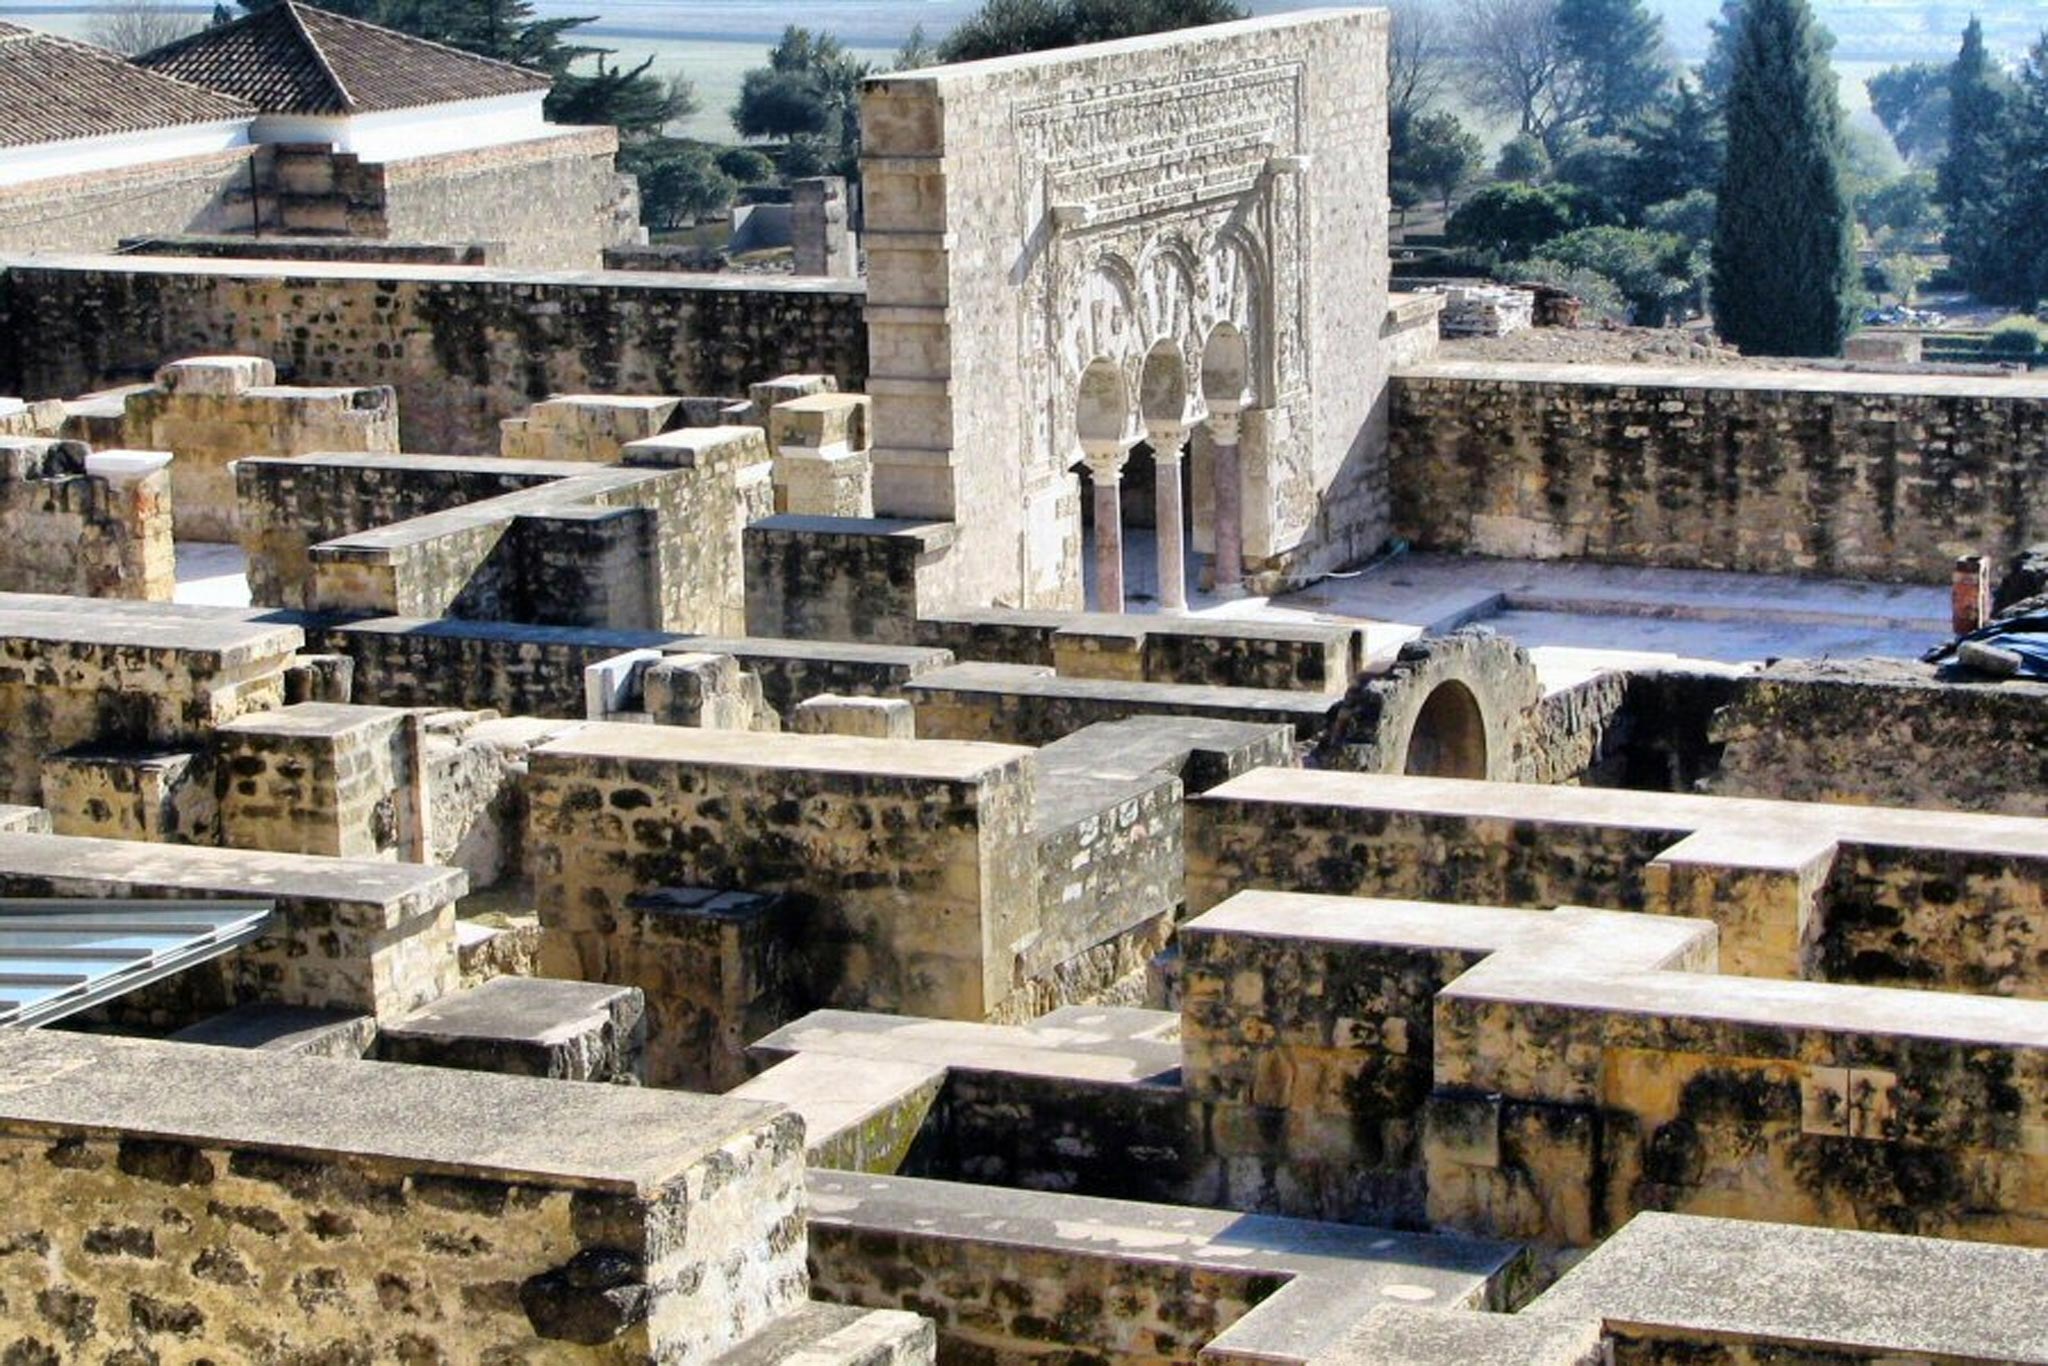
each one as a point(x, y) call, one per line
point(53, 89)
point(294, 59)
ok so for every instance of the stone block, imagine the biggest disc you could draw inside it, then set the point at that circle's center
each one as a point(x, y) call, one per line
point(527, 1027)
point(817, 422)
point(163, 797)
point(299, 1030)
point(339, 779)
point(566, 1223)
point(882, 718)
point(719, 969)
point(613, 685)
point(215, 376)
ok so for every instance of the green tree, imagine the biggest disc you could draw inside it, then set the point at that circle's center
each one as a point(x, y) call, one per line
point(637, 104)
point(1653, 272)
point(1003, 28)
point(1678, 149)
point(916, 51)
point(1439, 154)
point(1783, 260)
point(1719, 67)
point(746, 166)
point(1912, 104)
point(1603, 168)
point(1516, 67)
point(1523, 157)
point(1969, 178)
point(680, 182)
point(1511, 221)
point(1901, 212)
point(809, 89)
point(1616, 51)
point(2020, 212)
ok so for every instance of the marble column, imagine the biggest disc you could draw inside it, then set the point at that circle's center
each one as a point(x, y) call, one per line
point(1166, 440)
point(1227, 570)
point(1106, 460)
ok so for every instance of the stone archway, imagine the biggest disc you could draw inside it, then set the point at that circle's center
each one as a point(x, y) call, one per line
point(1448, 737)
point(1461, 705)
point(1105, 427)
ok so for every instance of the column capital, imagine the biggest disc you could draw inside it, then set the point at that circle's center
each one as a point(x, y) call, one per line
point(1166, 437)
point(1106, 459)
point(1225, 422)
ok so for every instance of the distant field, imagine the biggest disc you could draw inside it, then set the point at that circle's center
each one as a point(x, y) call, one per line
point(712, 43)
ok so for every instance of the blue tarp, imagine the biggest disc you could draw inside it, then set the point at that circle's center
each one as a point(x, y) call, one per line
point(2025, 636)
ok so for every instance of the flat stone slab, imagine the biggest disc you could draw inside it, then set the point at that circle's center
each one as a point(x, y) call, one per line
point(267, 1027)
point(1457, 1337)
point(1761, 381)
point(1335, 1273)
point(944, 760)
point(228, 642)
point(612, 1138)
point(1091, 1043)
point(526, 1026)
point(1812, 1288)
point(102, 867)
point(819, 1334)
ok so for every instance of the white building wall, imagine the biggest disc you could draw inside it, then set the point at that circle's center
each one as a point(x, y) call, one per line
point(430, 130)
point(80, 156)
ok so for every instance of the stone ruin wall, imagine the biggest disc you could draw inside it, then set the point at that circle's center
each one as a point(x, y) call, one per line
point(553, 203)
point(1862, 477)
point(94, 211)
point(464, 349)
point(71, 525)
point(1233, 174)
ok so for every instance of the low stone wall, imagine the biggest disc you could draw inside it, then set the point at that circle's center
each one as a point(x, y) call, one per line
point(464, 348)
point(908, 863)
point(166, 1200)
point(288, 506)
point(1850, 894)
point(275, 248)
point(91, 529)
point(94, 211)
point(1784, 472)
point(527, 670)
point(369, 938)
point(211, 411)
point(135, 675)
point(1886, 732)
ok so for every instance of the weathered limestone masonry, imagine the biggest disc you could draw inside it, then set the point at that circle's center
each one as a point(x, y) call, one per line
point(95, 210)
point(1879, 477)
point(165, 1199)
point(285, 507)
point(907, 864)
point(374, 939)
point(463, 347)
point(653, 543)
point(90, 524)
point(139, 676)
point(1681, 1290)
point(1836, 893)
point(210, 411)
point(1884, 731)
point(552, 203)
point(539, 670)
point(1200, 217)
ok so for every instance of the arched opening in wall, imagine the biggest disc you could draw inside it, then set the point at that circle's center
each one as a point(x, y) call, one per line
point(1226, 365)
point(1163, 387)
point(1104, 421)
point(1449, 737)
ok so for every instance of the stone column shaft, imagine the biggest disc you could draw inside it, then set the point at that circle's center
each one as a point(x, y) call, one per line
point(1106, 471)
point(1166, 440)
point(1227, 571)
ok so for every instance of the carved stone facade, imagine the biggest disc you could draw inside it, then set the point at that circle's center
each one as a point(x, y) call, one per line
point(1073, 251)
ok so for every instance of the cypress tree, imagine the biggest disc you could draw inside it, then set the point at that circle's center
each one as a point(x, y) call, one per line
point(1968, 179)
point(1783, 259)
point(2020, 211)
